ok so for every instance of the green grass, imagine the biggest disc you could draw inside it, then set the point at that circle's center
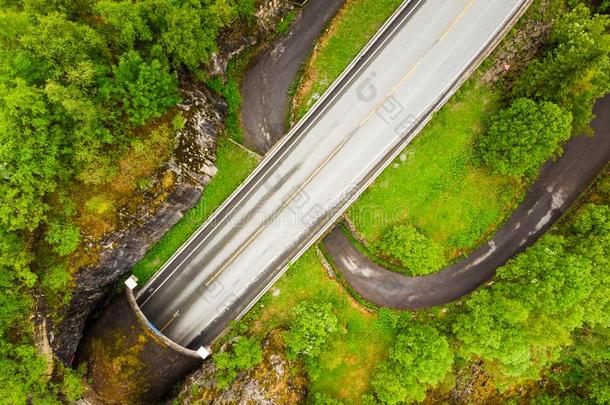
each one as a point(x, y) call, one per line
point(284, 24)
point(234, 165)
point(348, 34)
point(348, 362)
point(434, 184)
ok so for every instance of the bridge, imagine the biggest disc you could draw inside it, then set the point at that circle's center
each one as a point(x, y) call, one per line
point(372, 111)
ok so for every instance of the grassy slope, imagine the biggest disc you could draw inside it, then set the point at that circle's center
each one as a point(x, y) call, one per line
point(434, 185)
point(234, 165)
point(347, 363)
point(354, 26)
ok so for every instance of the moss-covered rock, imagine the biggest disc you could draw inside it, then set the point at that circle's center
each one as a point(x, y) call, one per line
point(276, 380)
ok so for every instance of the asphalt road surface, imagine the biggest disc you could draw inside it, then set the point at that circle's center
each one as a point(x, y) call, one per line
point(265, 87)
point(559, 185)
point(310, 177)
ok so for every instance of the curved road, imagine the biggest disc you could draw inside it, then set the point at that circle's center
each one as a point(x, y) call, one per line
point(312, 175)
point(559, 185)
point(265, 87)
point(265, 95)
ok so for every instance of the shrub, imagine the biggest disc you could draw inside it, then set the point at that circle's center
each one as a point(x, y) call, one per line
point(312, 324)
point(418, 254)
point(576, 70)
point(142, 90)
point(523, 136)
point(421, 357)
point(63, 236)
point(244, 354)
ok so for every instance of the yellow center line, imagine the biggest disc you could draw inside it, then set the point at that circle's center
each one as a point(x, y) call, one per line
point(336, 150)
point(260, 229)
point(457, 19)
point(391, 93)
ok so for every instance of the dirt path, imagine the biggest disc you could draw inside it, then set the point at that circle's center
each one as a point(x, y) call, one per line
point(265, 87)
point(559, 185)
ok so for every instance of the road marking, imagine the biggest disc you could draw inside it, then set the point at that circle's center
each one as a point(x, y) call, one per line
point(284, 205)
point(323, 110)
point(457, 19)
point(362, 123)
point(336, 150)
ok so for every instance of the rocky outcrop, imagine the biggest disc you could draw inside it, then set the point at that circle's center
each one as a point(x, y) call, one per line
point(276, 381)
point(242, 36)
point(157, 210)
point(191, 169)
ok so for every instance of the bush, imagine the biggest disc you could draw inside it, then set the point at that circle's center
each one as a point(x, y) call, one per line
point(244, 354)
point(576, 70)
point(418, 254)
point(142, 90)
point(63, 236)
point(523, 136)
point(421, 357)
point(312, 324)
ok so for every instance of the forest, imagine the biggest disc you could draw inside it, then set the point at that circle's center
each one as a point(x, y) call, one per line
point(77, 80)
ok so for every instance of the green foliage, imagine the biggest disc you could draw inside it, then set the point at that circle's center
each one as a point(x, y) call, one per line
point(312, 325)
point(521, 324)
point(420, 358)
point(30, 155)
point(418, 254)
point(504, 324)
point(55, 280)
point(576, 70)
point(245, 353)
point(126, 20)
point(323, 399)
point(231, 92)
point(63, 236)
point(76, 78)
point(178, 122)
point(585, 367)
point(143, 91)
point(245, 8)
point(286, 22)
point(22, 374)
point(523, 136)
point(72, 387)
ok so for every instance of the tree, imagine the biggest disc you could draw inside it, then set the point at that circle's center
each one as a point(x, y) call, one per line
point(420, 358)
point(127, 21)
point(590, 237)
point(523, 136)
point(30, 152)
point(576, 70)
point(418, 254)
point(188, 32)
point(583, 371)
point(522, 322)
point(312, 324)
point(63, 236)
point(143, 91)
